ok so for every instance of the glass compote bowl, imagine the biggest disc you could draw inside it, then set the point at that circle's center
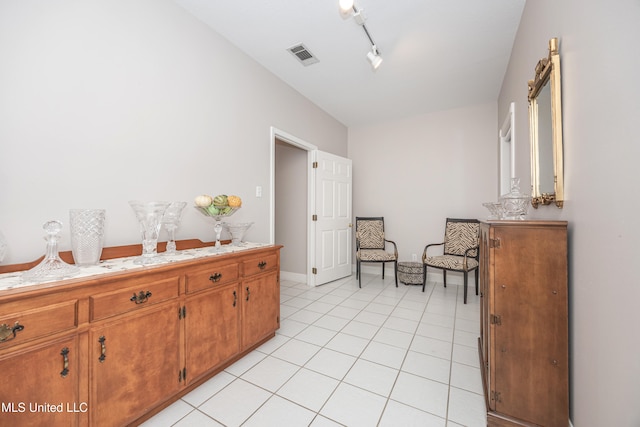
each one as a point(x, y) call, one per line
point(237, 231)
point(149, 215)
point(52, 267)
point(217, 214)
point(495, 208)
point(171, 220)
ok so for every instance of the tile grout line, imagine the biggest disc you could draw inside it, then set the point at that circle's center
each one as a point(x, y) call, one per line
point(405, 358)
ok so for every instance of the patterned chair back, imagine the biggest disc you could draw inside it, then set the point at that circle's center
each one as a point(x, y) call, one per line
point(370, 233)
point(460, 235)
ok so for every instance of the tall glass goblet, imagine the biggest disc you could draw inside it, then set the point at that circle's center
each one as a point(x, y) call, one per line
point(171, 220)
point(149, 216)
point(3, 246)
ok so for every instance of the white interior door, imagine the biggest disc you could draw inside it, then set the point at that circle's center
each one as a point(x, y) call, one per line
point(333, 183)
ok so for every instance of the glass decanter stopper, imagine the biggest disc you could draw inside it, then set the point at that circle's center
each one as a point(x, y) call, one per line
point(52, 267)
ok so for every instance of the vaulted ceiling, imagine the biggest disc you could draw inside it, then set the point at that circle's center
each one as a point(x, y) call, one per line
point(437, 54)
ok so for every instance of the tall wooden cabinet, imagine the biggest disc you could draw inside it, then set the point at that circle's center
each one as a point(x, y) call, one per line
point(524, 322)
point(112, 349)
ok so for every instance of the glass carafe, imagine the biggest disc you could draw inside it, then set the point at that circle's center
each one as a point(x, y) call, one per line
point(52, 267)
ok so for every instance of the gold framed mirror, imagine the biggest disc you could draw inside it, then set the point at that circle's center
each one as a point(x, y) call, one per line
point(545, 130)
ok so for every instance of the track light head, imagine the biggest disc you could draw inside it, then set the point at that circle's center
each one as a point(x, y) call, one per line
point(346, 5)
point(374, 57)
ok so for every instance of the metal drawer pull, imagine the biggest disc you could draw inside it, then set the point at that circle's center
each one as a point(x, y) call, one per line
point(65, 362)
point(103, 349)
point(215, 277)
point(262, 265)
point(141, 297)
point(248, 293)
point(235, 298)
point(7, 333)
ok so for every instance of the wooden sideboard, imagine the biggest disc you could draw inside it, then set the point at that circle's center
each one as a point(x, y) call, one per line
point(114, 349)
point(524, 339)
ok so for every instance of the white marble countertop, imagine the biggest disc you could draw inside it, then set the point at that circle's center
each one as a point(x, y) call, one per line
point(14, 280)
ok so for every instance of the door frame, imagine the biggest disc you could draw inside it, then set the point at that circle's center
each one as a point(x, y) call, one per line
point(311, 196)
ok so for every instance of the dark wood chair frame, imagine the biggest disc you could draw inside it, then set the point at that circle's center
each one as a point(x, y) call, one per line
point(444, 270)
point(395, 250)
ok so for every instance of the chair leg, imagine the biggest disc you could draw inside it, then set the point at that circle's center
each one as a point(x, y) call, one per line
point(359, 274)
point(383, 269)
point(444, 277)
point(424, 276)
point(395, 270)
point(465, 287)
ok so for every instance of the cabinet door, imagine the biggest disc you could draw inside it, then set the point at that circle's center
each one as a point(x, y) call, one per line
point(530, 340)
point(212, 329)
point(40, 385)
point(260, 308)
point(134, 364)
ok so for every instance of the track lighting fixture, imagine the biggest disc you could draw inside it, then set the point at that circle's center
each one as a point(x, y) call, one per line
point(348, 7)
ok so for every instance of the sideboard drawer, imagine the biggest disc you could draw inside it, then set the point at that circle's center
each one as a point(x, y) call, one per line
point(260, 264)
point(213, 275)
point(133, 297)
point(38, 322)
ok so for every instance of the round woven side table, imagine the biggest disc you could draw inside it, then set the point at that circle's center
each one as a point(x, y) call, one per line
point(410, 272)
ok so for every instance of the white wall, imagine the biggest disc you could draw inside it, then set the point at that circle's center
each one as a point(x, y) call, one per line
point(107, 101)
point(599, 64)
point(418, 171)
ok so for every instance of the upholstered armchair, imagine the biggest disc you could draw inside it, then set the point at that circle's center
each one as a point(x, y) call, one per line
point(460, 251)
point(371, 245)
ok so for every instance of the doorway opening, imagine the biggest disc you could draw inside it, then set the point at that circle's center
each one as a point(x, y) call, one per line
point(291, 204)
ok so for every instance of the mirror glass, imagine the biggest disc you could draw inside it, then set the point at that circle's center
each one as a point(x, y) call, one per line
point(545, 140)
point(545, 123)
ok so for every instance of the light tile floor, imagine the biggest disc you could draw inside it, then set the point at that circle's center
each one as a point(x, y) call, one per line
point(343, 356)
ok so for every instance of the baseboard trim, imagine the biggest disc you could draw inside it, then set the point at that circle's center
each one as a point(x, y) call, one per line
point(453, 278)
point(294, 277)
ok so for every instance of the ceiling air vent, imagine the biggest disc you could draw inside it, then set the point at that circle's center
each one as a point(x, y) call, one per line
point(301, 52)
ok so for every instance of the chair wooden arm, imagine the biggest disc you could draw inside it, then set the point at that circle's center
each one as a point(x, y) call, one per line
point(395, 247)
point(424, 253)
point(466, 254)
